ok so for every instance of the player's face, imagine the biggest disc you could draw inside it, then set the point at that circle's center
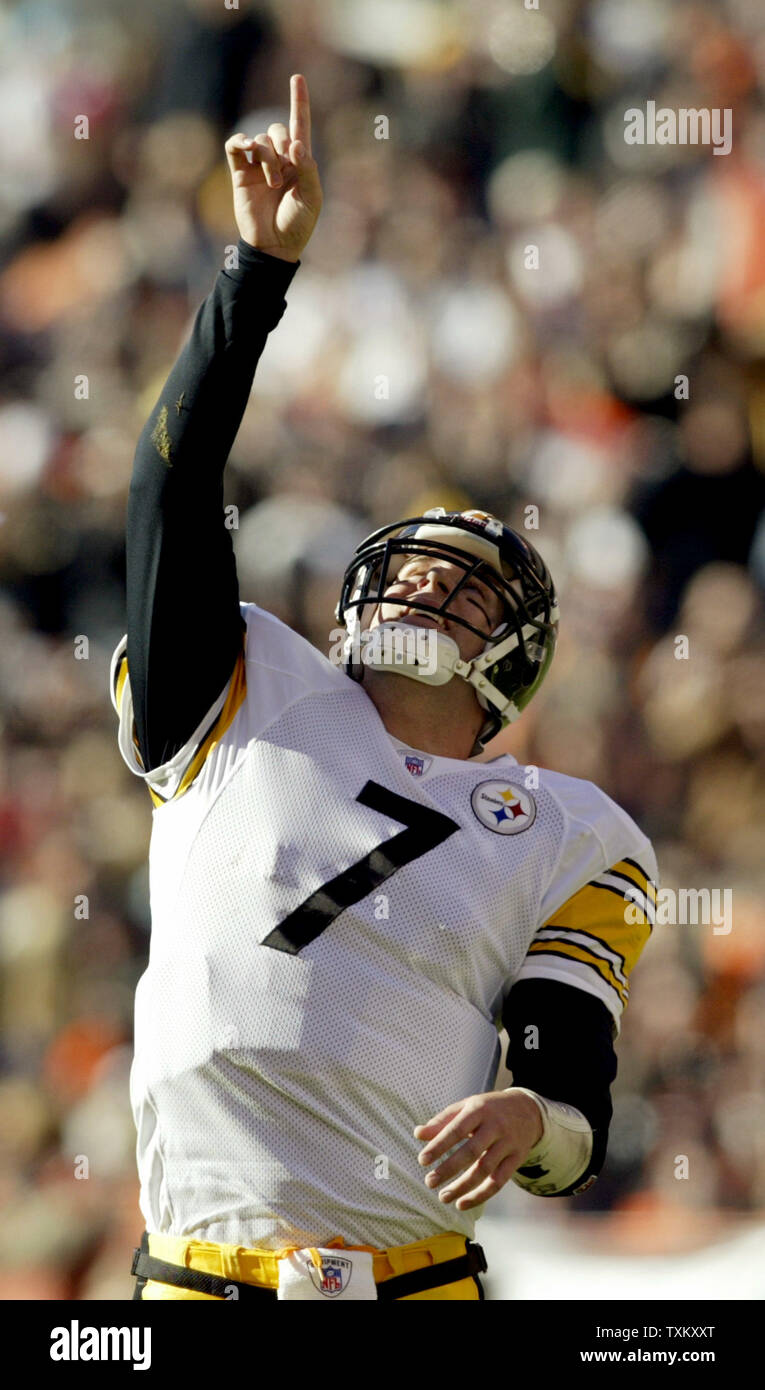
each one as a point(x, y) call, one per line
point(428, 580)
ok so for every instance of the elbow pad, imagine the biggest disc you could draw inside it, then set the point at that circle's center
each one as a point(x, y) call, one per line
point(562, 1154)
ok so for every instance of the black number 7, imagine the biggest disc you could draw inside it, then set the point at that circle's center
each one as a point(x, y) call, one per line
point(425, 829)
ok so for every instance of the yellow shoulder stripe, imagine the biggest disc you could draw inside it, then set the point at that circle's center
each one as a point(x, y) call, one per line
point(628, 868)
point(234, 700)
point(119, 689)
point(121, 678)
point(607, 918)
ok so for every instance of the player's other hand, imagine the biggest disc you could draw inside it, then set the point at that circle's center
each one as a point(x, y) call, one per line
point(499, 1129)
point(277, 197)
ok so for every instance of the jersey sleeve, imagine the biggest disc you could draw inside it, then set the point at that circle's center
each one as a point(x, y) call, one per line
point(599, 908)
point(275, 667)
point(175, 776)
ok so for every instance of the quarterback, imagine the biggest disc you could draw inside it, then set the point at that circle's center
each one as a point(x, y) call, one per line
point(348, 904)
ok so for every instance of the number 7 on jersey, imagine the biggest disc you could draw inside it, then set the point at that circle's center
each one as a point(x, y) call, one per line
point(425, 829)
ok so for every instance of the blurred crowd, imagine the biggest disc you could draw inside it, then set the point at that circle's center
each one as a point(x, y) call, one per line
point(610, 403)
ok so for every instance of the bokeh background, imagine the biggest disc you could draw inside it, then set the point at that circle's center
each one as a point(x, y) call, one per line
point(509, 388)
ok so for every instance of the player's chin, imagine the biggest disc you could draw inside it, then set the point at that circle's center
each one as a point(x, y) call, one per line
point(471, 648)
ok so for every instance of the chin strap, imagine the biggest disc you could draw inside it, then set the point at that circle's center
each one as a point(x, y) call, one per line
point(380, 649)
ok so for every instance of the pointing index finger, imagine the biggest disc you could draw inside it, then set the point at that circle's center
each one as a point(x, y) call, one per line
point(300, 111)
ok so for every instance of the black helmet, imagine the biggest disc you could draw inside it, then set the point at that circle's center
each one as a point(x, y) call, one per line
point(518, 653)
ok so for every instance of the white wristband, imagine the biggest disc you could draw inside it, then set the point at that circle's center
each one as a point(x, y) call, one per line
point(563, 1151)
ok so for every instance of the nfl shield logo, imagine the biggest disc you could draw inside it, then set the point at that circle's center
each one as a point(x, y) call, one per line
point(335, 1275)
point(414, 765)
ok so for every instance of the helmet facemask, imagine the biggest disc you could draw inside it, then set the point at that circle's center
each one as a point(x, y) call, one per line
point(516, 654)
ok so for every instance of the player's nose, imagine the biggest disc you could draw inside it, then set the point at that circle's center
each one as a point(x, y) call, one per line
point(437, 582)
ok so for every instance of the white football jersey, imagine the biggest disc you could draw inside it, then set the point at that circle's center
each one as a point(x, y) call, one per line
point(337, 920)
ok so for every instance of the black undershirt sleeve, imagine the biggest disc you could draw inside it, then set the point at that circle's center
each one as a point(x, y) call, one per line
point(573, 1060)
point(184, 627)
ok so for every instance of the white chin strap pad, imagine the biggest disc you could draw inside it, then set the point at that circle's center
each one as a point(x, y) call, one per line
point(428, 655)
point(422, 653)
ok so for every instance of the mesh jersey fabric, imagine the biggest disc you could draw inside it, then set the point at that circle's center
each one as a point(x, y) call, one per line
point(275, 1094)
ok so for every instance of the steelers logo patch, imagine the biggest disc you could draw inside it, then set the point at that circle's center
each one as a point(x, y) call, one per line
point(503, 808)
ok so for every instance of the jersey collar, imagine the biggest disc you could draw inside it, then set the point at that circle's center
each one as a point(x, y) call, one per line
point(421, 764)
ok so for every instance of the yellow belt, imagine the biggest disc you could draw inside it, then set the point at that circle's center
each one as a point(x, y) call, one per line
point(261, 1267)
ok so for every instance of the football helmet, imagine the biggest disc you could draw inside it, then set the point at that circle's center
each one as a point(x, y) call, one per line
point(517, 654)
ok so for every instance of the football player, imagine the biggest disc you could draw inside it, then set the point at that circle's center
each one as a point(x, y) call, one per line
point(347, 906)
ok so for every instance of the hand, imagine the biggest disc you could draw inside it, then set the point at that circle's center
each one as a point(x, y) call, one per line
point(277, 197)
point(500, 1128)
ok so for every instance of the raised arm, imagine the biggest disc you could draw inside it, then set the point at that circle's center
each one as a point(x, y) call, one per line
point(183, 620)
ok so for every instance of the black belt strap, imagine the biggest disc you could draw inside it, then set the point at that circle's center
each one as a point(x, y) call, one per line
point(146, 1266)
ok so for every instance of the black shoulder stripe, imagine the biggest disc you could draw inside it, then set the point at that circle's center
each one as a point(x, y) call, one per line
point(580, 931)
point(637, 866)
point(609, 888)
point(549, 950)
point(614, 873)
